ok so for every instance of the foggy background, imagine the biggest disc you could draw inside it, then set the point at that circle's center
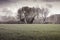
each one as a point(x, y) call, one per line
point(9, 8)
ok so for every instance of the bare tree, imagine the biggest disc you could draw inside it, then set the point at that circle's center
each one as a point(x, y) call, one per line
point(27, 14)
point(44, 12)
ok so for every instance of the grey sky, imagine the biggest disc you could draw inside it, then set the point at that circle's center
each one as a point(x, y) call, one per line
point(51, 0)
point(13, 5)
point(27, 0)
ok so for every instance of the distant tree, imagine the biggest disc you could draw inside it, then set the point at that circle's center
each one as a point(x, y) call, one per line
point(44, 12)
point(21, 15)
point(26, 14)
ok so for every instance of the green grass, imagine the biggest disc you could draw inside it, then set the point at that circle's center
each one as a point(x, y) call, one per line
point(29, 31)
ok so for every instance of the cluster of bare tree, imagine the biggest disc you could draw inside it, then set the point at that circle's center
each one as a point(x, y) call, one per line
point(27, 15)
point(30, 15)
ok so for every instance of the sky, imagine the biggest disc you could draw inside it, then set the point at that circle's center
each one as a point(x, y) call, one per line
point(14, 5)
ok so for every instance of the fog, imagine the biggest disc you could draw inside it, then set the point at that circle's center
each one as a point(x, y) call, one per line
point(14, 5)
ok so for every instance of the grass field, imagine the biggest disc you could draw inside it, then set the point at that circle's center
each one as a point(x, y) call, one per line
point(29, 31)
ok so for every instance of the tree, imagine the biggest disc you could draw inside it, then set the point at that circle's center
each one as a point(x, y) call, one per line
point(44, 12)
point(26, 14)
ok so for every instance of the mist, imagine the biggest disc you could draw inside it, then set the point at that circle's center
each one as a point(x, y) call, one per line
point(14, 5)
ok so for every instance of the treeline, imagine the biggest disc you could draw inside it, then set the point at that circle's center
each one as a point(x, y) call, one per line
point(32, 15)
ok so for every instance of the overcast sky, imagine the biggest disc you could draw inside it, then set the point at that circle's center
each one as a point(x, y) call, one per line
point(14, 5)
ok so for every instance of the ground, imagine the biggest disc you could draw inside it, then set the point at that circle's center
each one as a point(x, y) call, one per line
point(29, 31)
